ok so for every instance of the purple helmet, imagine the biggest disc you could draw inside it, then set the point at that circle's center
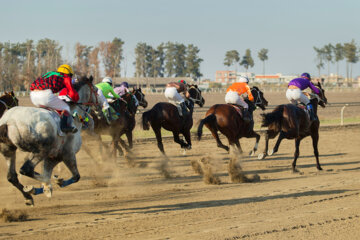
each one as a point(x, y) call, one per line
point(125, 84)
point(306, 75)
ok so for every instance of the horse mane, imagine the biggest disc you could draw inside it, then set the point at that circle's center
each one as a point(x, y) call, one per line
point(82, 81)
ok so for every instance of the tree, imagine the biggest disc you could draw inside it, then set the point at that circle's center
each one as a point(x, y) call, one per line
point(82, 64)
point(338, 55)
point(262, 54)
point(179, 60)
point(328, 55)
point(140, 60)
point(231, 58)
point(94, 63)
point(320, 56)
point(247, 61)
point(350, 53)
point(112, 54)
point(192, 62)
point(170, 54)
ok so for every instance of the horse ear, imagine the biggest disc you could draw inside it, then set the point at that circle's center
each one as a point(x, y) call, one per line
point(6, 92)
point(12, 93)
point(91, 78)
point(196, 86)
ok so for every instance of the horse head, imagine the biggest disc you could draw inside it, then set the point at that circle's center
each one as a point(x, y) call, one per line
point(195, 95)
point(127, 99)
point(322, 100)
point(140, 96)
point(259, 99)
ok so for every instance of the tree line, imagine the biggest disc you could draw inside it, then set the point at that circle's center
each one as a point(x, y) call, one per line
point(336, 53)
point(21, 63)
point(233, 58)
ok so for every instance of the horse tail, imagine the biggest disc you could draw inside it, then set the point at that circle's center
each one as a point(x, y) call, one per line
point(209, 119)
point(4, 136)
point(273, 117)
point(145, 120)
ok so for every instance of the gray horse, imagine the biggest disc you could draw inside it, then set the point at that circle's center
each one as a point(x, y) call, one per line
point(37, 131)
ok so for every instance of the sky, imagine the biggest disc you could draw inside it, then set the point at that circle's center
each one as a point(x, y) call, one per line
point(289, 29)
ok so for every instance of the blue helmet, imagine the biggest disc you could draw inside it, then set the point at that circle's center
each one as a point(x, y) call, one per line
point(125, 84)
point(306, 75)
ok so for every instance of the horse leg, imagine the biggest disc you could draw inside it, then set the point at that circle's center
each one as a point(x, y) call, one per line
point(315, 140)
point(296, 154)
point(257, 136)
point(237, 143)
point(218, 141)
point(129, 137)
point(29, 165)
point(10, 155)
point(269, 134)
point(276, 148)
point(70, 162)
point(178, 140)
point(187, 136)
point(157, 132)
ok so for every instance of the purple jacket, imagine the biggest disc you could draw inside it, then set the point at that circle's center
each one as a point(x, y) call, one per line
point(303, 83)
point(121, 90)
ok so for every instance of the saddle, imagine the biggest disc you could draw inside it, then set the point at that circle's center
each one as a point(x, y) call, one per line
point(238, 109)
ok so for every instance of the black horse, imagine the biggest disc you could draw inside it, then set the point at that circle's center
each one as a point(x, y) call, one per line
point(226, 119)
point(7, 101)
point(293, 122)
point(166, 115)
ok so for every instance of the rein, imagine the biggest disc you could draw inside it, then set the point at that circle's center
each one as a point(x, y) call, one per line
point(258, 98)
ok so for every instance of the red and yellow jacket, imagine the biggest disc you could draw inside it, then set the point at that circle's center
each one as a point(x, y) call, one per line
point(55, 81)
point(241, 88)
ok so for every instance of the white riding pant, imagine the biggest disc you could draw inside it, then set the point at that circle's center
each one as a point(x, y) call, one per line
point(102, 99)
point(173, 96)
point(295, 95)
point(233, 97)
point(46, 98)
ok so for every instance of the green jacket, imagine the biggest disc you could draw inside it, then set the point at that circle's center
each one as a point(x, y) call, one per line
point(106, 89)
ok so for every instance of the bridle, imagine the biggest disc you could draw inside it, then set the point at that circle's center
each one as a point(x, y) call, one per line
point(258, 100)
point(89, 103)
point(141, 100)
point(198, 93)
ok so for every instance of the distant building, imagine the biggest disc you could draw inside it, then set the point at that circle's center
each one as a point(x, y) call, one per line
point(228, 77)
point(149, 82)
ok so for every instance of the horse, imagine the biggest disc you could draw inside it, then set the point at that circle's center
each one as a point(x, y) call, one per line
point(166, 115)
point(125, 108)
point(37, 131)
point(293, 122)
point(227, 119)
point(7, 101)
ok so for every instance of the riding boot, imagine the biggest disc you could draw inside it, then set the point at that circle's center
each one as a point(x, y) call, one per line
point(180, 110)
point(311, 112)
point(184, 109)
point(66, 125)
point(109, 116)
point(246, 116)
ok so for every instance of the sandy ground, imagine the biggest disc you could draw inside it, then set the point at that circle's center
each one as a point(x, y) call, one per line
point(115, 201)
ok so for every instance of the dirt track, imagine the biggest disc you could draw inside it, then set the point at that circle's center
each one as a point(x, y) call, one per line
point(113, 201)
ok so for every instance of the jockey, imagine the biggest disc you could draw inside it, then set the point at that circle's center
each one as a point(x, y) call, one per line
point(235, 95)
point(294, 92)
point(43, 89)
point(104, 88)
point(172, 93)
point(123, 89)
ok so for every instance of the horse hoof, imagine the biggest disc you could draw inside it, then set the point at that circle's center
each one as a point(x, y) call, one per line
point(58, 181)
point(29, 202)
point(270, 152)
point(261, 156)
point(29, 189)
point(47, 190)
point(252, 153)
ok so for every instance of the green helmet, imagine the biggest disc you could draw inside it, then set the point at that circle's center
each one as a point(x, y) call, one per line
point(182, 81)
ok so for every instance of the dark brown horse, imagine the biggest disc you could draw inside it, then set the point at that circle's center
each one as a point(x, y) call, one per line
point(166, 115)
point(226, 119)
point(7, 101)
point(293, 122)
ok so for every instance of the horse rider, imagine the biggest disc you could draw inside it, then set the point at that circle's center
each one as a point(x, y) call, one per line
point(172, 93)
point(236, 93)
point(294, 92)
point(123, 89)
point(42, 94)
point(104, 89)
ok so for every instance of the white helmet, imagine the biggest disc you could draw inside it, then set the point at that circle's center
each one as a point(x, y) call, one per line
point(107, 80)
point(243, 79)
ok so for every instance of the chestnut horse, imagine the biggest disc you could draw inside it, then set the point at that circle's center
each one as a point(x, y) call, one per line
point(166, 115)
point(7, 101)
point(293, 122)
point(226, 119)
